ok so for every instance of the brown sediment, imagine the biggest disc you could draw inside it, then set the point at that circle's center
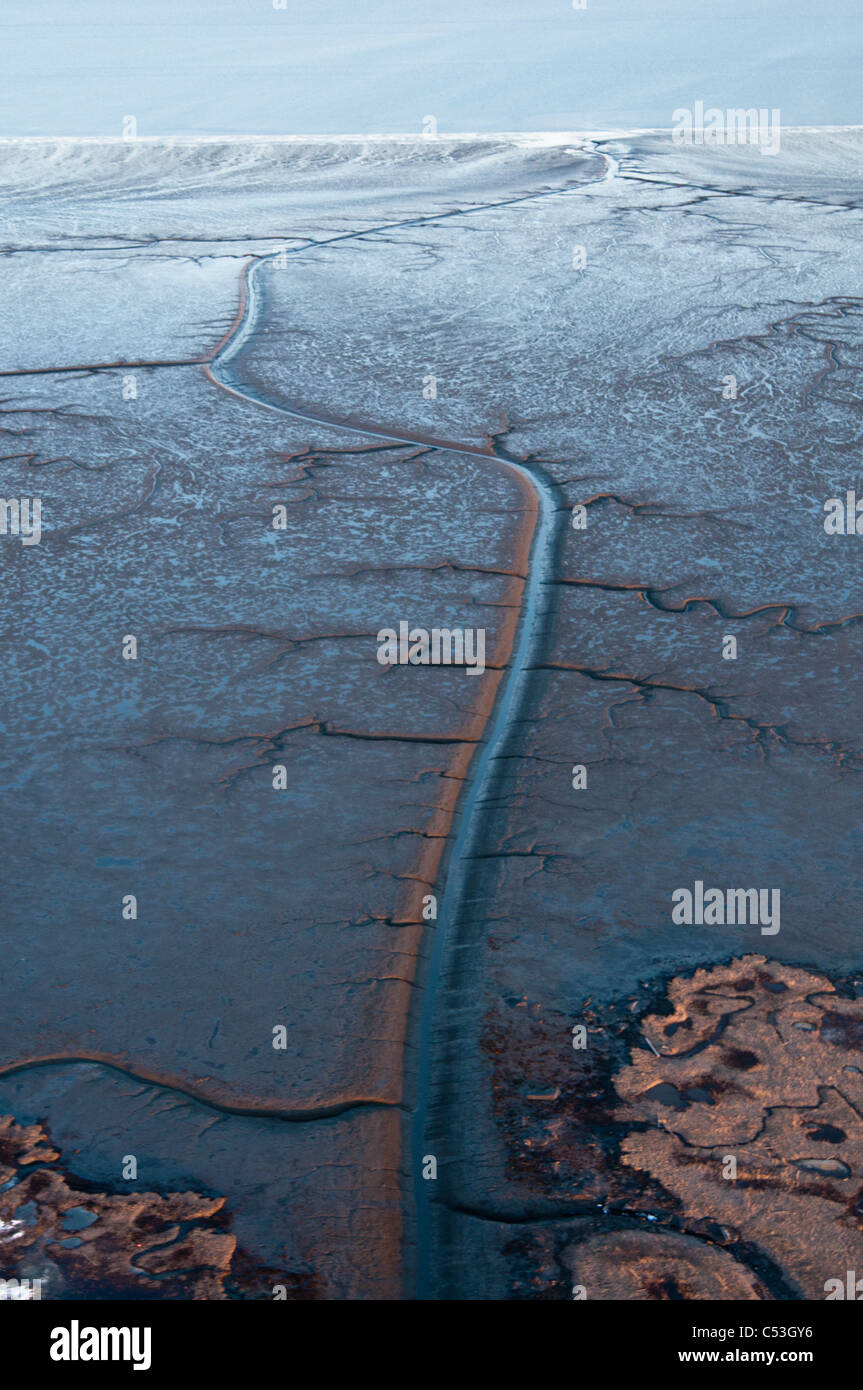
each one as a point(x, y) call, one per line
point(657, 1266)
point(767, 1135)
point(730, 1111)
point(140, 1245)
point(179, 1244)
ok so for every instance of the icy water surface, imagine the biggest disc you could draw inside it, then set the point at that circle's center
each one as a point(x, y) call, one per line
point(219, 67)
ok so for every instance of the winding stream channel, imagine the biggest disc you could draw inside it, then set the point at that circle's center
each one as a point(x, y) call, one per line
point(512, 696)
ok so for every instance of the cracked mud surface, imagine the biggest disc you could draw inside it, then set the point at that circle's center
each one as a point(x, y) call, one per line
point(302, 908)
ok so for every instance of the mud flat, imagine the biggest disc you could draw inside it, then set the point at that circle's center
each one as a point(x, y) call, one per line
point(430, 365)
point(274, 799)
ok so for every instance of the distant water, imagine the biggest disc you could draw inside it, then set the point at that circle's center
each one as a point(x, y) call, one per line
point(332, 66)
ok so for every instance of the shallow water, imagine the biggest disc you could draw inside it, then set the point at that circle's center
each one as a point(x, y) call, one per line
point(216, 67)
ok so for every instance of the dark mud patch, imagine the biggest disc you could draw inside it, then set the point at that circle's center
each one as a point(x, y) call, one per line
point(556, 1106)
